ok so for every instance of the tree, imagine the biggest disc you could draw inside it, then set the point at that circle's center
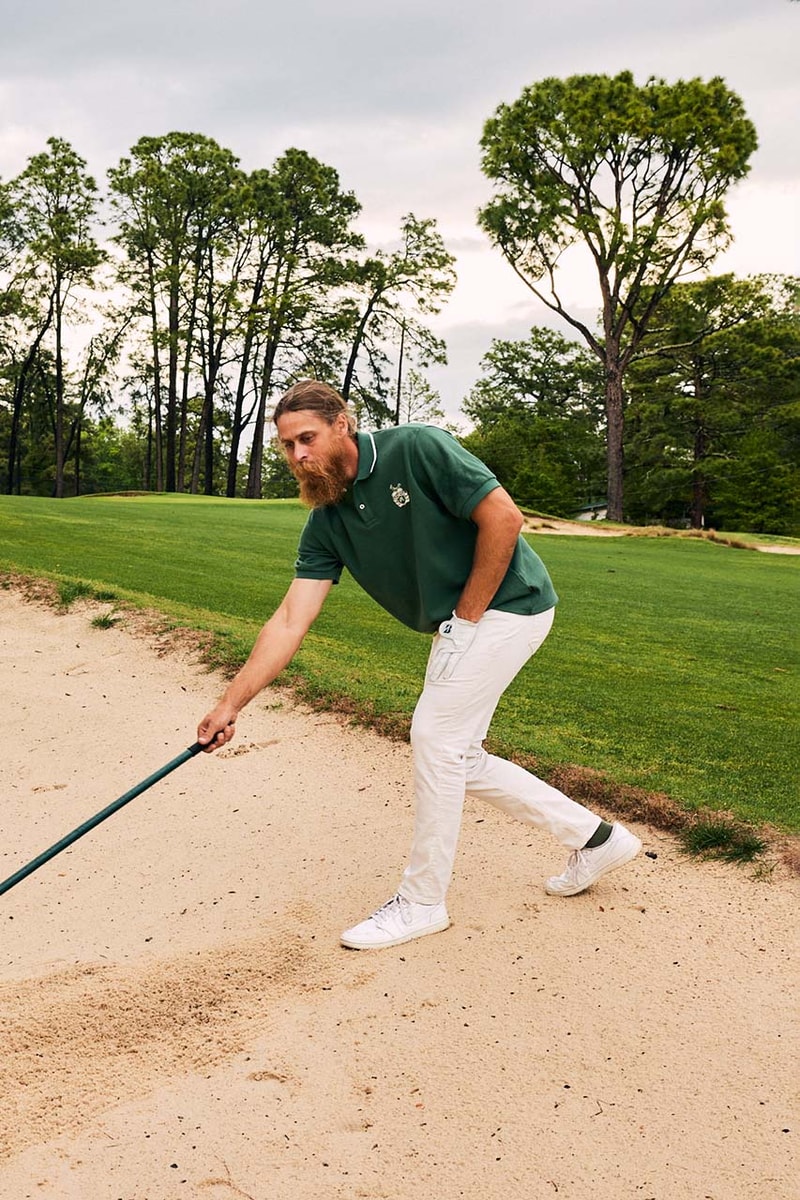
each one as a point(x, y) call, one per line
point(394, 294)
point(55, 201)
point(419, 402)
point(278, 482)
point(714, 417)
point(92, 389)
point(634, 175)
point(223, 247)
point(173, 197)
point(22, 330)
point(302, 232)
point(537, 410)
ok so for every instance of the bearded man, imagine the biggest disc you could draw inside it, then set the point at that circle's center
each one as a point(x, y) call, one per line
point(426, 529)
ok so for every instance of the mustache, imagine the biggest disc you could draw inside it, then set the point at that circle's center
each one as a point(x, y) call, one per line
point(311, 470)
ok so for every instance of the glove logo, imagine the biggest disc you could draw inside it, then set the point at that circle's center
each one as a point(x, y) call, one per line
point(399, 494)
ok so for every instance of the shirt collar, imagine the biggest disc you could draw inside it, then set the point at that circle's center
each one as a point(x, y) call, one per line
point(367, 455)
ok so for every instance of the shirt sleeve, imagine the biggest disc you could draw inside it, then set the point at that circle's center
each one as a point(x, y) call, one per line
point(456, 477)
point(315, 559)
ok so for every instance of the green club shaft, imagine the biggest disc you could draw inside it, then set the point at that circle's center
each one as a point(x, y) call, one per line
point(69, 838)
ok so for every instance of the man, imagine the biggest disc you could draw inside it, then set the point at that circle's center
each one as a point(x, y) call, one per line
point(429, 533)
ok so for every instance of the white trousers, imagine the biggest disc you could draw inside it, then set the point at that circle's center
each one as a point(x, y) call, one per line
point(450, 723)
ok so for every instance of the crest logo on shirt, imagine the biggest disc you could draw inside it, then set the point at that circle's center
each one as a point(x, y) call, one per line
point(399, 494)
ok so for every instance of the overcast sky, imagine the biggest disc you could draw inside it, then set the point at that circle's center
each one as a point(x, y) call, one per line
point(394, 96)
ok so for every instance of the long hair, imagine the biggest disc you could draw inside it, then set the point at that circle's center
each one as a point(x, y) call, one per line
point(309, 395)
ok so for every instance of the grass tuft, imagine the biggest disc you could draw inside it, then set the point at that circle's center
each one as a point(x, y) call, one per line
point(104, 621)
point(722, 838)
point(70, 590)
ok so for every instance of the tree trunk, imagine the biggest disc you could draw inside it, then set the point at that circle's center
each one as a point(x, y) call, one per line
point(238, 425)
point(59, 415)
point(254, 485)
point(253, 489)
point(699, 482)
point(78, 456)
point(184, 407)
point(209, 463)
point(15, 444)
point(347, 383)
point(400, 374)
point(148, 466)
point(204, 445)
point(158, 447)
point(13, 441)
point(172, 381)
point(615, 409)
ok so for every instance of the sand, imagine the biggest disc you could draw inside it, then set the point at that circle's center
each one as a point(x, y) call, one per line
point(177, 1019)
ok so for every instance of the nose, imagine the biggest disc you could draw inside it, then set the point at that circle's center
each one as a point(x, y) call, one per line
point(300, 453)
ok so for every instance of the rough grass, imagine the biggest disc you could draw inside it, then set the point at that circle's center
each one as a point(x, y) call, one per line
point(721, 838)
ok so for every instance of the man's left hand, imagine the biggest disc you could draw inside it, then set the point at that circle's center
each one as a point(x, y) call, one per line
point(455, 638)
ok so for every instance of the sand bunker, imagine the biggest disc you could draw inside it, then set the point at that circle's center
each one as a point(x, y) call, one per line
point(177, 1019)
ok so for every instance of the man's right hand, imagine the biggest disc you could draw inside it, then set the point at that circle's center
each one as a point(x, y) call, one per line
point(273, 650)
point(217, 728)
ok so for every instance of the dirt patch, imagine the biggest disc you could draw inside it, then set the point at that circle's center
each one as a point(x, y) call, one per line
point(556, 525)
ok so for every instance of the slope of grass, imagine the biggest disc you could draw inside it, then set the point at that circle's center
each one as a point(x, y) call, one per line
point(672, 665)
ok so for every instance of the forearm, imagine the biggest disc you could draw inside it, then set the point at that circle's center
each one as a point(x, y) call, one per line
point(494, 549)
point(273, 649)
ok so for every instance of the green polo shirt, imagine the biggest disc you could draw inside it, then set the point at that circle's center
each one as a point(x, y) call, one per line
point(403, 530)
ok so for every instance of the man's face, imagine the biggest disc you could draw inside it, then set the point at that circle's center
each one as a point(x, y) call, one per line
point(322, 457)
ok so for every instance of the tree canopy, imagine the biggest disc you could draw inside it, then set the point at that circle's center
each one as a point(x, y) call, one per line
point(714, 416)
point(636, 176)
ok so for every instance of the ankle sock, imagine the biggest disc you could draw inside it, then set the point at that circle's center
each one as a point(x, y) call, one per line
point(600, 836)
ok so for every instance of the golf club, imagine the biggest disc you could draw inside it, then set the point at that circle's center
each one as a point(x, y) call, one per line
point(69, 838)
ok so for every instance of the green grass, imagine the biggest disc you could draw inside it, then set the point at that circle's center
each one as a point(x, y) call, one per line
point(727, 840)
point(672, 666)
point(70, 590)
point(104, 621)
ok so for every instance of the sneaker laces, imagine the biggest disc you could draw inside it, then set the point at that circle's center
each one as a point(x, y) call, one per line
point(576, 860)
point(397, 905)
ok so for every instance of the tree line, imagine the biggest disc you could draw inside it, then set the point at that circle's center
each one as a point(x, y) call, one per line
point(712, 413)
point(211, 288)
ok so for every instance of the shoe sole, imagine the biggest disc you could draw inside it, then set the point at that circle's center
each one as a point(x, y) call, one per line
point(436, 927)
point(625, 856)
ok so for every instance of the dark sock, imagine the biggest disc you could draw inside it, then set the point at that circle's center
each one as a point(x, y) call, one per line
point(600, 835)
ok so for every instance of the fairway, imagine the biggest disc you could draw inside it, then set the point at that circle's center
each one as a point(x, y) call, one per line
point(672, 665)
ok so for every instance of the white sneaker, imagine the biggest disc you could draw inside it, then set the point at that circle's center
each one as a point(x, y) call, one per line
point(398, 920)
point(585, 867)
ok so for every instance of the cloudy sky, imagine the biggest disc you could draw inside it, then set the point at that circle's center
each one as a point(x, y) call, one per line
point(394, 96)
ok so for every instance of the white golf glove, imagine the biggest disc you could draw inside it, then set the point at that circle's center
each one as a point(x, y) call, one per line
point(455, 637)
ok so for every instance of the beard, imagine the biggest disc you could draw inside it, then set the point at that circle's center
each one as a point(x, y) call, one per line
point(322, 484)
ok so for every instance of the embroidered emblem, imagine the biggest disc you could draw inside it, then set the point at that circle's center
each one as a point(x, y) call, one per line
point(399, 494)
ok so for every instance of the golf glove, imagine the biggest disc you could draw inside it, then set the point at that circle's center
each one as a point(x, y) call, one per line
point(455, 637)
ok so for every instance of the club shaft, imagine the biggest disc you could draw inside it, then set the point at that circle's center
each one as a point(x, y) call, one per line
point(69, 838)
